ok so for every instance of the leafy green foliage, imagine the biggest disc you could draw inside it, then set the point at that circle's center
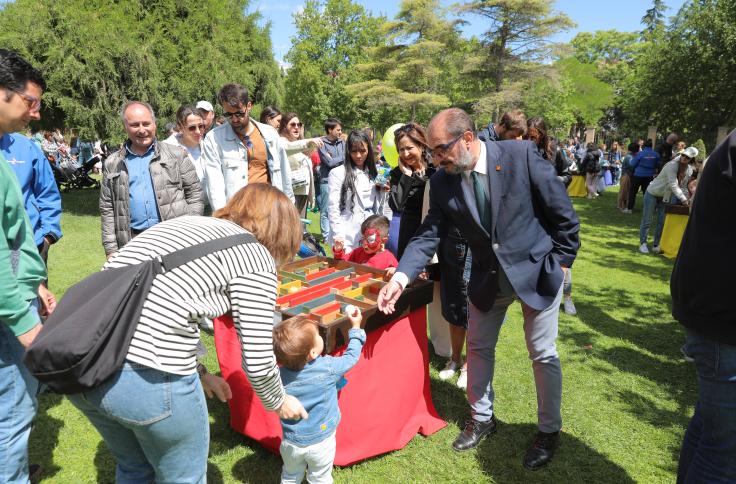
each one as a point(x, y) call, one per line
point(686, 82)
point(414, 72)
point(96, 54)
point(332, 37)
point(518, 32)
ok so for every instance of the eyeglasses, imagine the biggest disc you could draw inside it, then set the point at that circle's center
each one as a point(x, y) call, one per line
point(295, 125)
point(32, 102)
point(194, 127)
point(441, 150)
point(237, 114)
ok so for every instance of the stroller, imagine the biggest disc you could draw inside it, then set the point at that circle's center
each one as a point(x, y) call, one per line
point(70, 174)
point(309, 246)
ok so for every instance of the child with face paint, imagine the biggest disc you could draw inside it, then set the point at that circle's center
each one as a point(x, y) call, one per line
point(372, 251)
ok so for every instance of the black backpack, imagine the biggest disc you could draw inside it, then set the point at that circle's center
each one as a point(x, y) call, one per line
point(85, 340)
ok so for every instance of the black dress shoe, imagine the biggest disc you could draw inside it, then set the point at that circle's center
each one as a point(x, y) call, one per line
point(473, 433)
point(541, 451)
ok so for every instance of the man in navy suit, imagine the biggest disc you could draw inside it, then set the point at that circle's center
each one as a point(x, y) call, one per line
point(523, 234)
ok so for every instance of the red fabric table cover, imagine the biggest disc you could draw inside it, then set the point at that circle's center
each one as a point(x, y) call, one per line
point(386, 402)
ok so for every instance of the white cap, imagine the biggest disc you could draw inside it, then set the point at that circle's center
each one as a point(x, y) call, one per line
point(206, 105)
point(691, 152)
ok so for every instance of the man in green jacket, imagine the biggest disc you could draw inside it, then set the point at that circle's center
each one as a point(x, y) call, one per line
point(21, 273)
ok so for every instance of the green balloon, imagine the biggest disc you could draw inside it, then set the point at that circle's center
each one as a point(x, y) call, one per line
point(389, 145)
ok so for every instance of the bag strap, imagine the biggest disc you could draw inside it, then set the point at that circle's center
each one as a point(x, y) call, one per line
point(183, 256)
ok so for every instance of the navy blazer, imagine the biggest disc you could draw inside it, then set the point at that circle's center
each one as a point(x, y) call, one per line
point(534, 228)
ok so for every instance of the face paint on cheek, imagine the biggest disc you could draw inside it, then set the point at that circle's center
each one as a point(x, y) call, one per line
point(372, 239)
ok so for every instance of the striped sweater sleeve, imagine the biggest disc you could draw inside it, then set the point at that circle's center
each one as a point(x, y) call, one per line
point(253, 297)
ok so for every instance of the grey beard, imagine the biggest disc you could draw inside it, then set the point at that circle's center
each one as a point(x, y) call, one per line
point(463, 163)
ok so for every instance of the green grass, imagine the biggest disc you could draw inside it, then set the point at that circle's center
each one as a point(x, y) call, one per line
point(627, 393)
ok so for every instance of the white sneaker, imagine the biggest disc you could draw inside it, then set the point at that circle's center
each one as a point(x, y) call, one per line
point(656, 249)
point(462, 380)
point(626, 210)
point(644, 249)
point(449, 370)
point(569, 306)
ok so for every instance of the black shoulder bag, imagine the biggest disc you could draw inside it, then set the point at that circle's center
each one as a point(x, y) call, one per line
point(86, 338)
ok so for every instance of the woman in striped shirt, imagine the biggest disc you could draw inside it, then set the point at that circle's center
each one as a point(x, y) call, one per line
point(152, 413)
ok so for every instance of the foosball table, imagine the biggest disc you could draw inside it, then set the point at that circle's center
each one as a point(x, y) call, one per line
point(320, 288)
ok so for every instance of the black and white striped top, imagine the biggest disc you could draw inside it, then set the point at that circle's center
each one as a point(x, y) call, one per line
point(240, 280)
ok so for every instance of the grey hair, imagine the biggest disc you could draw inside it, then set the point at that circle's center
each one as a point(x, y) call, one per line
point(128, 104)
point(455, 121)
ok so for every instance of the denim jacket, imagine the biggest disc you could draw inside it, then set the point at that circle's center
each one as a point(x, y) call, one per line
point(225, 161)
point(315, 386)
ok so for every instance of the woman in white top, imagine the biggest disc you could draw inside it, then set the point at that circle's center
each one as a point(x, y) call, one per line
point(291, 131)
point(190, 129)
point(353, 193)
point(670, 186)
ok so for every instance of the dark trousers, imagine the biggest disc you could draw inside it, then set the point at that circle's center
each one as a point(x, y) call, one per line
point(636, 183)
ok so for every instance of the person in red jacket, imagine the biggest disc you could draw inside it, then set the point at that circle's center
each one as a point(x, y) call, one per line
point(372, 250)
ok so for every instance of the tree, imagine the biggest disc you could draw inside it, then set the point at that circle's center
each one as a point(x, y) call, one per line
point(653, 19)
point(97, 54)
point(591, 96)
point(413, 74)
point(332, 36)
point(518, 32)
point(687, 81)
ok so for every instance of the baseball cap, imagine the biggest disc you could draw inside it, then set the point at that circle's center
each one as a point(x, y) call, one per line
point(691, 152)
point(206, 105)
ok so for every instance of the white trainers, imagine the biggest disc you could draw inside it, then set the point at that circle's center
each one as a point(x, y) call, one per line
point(644, 249)
point(656, 249)
point(569, 306)
point(462, 380)
point(449, 370)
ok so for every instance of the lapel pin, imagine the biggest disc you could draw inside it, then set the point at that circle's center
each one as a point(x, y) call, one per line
point(498, 167)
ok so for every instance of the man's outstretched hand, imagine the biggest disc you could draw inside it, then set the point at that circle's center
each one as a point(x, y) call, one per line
point(388, 296)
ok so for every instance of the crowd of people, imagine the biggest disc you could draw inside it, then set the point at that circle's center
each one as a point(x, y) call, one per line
point(455, 210)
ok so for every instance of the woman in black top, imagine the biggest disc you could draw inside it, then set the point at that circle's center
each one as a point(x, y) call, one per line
point(408, 180)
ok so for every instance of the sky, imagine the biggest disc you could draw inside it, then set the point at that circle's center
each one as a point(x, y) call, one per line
point(589, 15)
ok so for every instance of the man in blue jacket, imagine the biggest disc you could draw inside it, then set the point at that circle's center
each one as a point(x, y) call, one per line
point(644, 166)
point(521, 228)
point(40, 193)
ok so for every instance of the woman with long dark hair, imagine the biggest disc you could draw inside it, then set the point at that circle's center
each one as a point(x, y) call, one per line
point(353, 195)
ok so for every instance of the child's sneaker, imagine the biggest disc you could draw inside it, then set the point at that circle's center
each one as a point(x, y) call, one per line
point(449, 370)
point(656, 249)
point(644, 249)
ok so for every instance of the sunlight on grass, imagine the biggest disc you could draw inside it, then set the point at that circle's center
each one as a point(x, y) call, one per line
point(627, 392)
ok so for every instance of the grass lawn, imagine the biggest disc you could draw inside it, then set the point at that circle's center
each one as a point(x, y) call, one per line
point(627, 392)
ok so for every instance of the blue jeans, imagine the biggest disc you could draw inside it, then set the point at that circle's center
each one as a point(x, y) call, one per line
point(155, 424)
point(709, 450)
point(652, 205)
point(18, 406)
point(324, 199)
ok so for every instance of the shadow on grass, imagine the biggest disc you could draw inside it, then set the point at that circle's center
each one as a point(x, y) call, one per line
point(81, 202)
point(501, 457)
point(104, 464)
point(259, 466)
point(45, 435)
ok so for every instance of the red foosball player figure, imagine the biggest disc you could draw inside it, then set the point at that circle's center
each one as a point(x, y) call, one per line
point(372, 251)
